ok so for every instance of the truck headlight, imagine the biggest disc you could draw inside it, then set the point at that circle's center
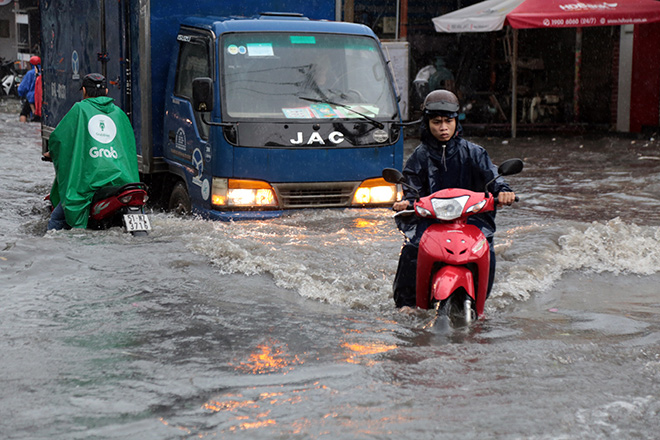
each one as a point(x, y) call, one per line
point(375, 192)
point(242, 193)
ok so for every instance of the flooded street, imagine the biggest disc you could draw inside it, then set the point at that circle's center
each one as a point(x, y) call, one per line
point(285, 328)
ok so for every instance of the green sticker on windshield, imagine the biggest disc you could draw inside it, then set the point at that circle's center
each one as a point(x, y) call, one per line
point(302, 39)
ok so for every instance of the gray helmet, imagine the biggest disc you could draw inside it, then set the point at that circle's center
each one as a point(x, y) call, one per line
point(442, 102)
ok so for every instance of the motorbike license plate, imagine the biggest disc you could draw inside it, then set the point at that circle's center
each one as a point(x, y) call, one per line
point(136, 222)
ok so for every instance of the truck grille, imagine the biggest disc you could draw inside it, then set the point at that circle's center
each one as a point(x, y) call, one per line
point(315, 195)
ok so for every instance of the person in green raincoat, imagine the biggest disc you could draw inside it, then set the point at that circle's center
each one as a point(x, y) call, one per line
point(93, 146)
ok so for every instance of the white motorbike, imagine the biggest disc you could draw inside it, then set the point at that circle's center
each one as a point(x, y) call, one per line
point(10, 78)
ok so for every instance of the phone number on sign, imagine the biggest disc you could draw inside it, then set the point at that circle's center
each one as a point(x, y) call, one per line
point(587, 21)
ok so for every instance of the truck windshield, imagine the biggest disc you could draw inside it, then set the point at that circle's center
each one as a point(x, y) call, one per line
point(304, 76)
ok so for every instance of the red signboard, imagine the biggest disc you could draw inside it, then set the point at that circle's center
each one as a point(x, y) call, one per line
point(582, 13)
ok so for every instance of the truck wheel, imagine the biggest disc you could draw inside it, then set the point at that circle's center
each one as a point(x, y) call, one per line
point(180, 200)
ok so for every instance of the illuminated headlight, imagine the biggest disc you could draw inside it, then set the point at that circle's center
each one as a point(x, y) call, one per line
point(449, 209)
point(242, 193)
point(375, 192)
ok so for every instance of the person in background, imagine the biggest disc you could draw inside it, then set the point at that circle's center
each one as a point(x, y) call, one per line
point(444, 160)
point(26, 91)
point(93, 146)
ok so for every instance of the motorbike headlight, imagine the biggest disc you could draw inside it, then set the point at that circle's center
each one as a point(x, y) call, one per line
point(449, 209)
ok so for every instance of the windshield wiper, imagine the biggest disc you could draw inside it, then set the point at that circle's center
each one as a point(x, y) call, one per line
point(376, 123)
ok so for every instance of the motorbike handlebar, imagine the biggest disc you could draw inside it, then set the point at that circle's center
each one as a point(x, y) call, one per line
point(497, 202)
point(405, 213)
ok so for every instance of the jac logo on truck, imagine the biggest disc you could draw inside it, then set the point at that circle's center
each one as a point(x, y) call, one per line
point(335, 137)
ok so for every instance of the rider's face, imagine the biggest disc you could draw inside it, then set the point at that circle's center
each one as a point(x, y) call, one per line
point(442, 128)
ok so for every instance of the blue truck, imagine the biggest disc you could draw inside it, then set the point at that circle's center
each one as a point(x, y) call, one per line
point(238, 114)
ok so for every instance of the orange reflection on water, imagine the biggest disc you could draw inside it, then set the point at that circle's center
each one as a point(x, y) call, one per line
point(358, 351)
point(229, 405)
point(244, 413)
point(244, 421)
point(368, 226)
point(255, 425)
point(269, 358)
point(363, 223)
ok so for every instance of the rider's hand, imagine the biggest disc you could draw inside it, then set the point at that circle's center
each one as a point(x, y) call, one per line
point(506, 198)
point(401, 205)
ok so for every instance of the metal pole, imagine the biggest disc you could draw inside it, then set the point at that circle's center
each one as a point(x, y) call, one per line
point(398, 19)
point(578, 69)
point(404, 20)
point(514, 85)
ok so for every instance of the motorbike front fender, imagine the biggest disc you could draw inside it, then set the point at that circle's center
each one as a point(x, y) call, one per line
point(449, 279)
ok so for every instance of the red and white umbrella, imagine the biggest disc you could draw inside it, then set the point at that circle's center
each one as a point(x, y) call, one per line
point(493, 15)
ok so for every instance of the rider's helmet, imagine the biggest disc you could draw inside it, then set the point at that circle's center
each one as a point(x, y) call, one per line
point(35, 60)
point(95, 84)
point(441, 103)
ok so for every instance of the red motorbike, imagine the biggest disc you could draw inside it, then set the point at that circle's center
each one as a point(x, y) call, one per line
point(120, 206)
point(453, 262)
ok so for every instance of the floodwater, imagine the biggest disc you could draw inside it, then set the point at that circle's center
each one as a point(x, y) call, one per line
point(285, 329)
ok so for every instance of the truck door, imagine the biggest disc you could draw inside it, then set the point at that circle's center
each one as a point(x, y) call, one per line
point(112, 53)
point(188, 146)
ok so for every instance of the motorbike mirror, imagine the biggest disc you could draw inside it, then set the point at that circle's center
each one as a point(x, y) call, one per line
point(509, 167)
point(392, 175)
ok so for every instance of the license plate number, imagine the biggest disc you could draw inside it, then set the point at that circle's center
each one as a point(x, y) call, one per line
point(136, 222)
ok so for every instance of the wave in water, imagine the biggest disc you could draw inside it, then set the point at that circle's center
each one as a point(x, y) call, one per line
point(614, 246)
point(349, 257)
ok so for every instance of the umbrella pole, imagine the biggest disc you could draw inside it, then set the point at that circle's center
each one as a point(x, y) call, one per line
point(578, 69)
point(514, 85)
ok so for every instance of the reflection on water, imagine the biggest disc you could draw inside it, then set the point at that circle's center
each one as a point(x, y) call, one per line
point(268, 358)
point(357, 353)
point(285, 329)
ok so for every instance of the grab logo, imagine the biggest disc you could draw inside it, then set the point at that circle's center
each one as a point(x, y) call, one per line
point(103, 152)
point(102, 129)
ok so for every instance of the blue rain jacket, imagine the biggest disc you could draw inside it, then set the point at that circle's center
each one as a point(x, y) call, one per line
point(26, 86)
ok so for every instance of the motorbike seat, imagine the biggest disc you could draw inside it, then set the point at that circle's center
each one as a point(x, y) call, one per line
point(110, 191)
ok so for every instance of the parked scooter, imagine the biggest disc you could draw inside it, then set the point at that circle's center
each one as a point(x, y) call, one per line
point(10, 78)
point(120, 206)
point(453, 262)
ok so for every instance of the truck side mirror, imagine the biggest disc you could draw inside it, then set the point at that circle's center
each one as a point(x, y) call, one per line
point(202, 91)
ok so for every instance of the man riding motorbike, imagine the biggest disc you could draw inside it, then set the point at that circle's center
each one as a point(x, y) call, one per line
point(443, 160)
point(93, 146)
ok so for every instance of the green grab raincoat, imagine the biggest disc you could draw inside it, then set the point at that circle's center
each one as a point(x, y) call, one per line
point(93, 146)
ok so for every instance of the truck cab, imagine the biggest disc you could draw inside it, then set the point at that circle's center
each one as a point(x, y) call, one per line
point(277, 112)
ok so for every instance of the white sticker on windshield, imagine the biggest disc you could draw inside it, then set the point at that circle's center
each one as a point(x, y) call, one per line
point(260, 50)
